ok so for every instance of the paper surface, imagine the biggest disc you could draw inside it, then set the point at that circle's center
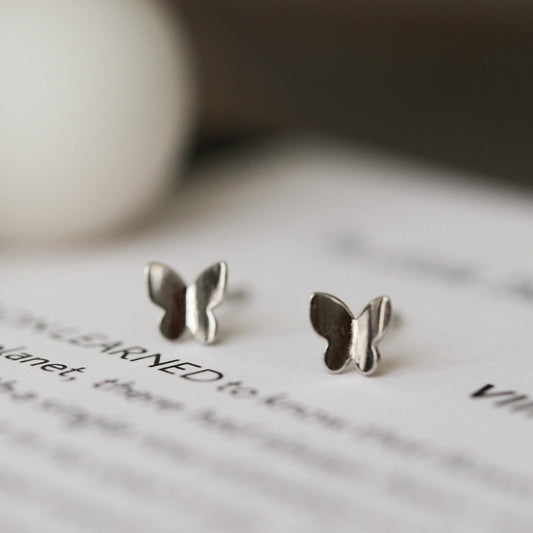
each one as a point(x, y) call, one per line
point(107, 426)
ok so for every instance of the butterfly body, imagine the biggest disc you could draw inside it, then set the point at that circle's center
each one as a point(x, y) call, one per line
point(351, 341)
point(187, 307)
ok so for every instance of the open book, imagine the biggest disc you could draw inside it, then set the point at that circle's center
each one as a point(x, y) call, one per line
point(107, 426)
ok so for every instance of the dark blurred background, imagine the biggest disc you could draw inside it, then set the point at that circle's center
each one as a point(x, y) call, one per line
point(446, 80)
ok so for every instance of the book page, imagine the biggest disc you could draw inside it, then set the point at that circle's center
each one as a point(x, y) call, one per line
point(107, 426)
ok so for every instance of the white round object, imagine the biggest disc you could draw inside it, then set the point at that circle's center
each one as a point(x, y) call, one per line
point(95, 107)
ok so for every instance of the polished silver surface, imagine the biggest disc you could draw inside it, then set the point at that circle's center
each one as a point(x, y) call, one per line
point(185, 306)
point(350, 340)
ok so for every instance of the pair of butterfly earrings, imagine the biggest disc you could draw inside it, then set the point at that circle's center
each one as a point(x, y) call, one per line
point(351, 341)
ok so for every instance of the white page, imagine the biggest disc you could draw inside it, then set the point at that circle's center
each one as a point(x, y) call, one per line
point(290, 446)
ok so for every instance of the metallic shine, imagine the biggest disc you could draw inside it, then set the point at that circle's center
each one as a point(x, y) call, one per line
point(350, 340)
point(190, 306)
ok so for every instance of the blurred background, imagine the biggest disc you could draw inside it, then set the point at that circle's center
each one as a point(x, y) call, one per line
point(103, 104)
point(447, 80)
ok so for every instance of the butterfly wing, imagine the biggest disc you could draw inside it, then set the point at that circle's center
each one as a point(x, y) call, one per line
point(370, 327)
point(380, 311)
point(332, 320)
point(167, 290)
point(201, 298)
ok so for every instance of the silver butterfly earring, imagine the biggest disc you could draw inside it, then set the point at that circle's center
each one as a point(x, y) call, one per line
point(351, 341)
point(185, 306)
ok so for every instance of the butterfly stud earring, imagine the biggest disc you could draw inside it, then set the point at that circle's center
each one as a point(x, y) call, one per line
point(185, 306)
point(350, 340)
